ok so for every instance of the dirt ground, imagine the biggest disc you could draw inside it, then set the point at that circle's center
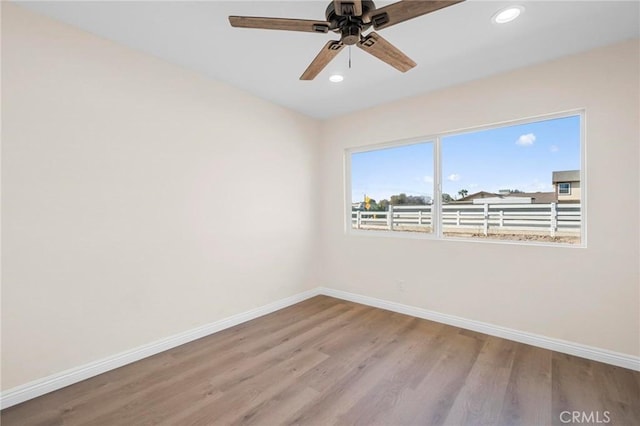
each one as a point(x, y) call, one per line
point(519, 237)
point(508, 237)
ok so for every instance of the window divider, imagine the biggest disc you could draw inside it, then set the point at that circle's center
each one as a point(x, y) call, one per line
point(436, 205)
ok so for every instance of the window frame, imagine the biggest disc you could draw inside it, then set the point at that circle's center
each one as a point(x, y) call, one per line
point(348, 228)
point(436, 140)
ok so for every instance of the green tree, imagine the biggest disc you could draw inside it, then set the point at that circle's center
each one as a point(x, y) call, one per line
point(383, 205)
point(463, 193)
point(446, 198)
point(416, 200)
point(403, 199)
point(399, 199)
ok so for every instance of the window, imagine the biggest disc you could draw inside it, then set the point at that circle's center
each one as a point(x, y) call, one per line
point(392, 188)
point(564, 188)
point(496, 183)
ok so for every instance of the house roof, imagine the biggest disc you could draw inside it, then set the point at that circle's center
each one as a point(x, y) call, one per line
point(538, 197)
point(476, 195)
point(566, 176)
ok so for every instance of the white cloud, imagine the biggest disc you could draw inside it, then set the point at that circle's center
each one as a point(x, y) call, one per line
point(554, 148)
point(428, 179)
point(526, 140)
point(454, 177)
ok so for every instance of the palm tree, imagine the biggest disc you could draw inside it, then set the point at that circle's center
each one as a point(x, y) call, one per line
point(463, 193)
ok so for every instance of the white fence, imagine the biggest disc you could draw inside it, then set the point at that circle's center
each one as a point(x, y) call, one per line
point(543, 219)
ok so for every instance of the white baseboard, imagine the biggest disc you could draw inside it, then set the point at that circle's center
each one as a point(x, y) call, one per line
point(74, 375)
point(65, 378)
point(558, 345)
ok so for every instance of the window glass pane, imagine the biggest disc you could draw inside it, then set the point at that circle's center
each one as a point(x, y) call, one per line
point(505, 183)
point(392, 188)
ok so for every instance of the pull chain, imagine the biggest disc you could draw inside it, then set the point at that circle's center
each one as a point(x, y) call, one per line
point(349, 56)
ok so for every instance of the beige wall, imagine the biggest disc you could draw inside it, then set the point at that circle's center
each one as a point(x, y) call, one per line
point(139, 200)
point(589, 295)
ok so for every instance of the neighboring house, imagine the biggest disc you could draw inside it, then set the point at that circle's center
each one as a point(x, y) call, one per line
point(538, 197)
point(504, 199)
point(476, 196)
point(566, 189)
point(566, 185)
point(484, 197)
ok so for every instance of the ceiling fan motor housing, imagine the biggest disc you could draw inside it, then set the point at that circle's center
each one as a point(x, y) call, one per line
point(348, 26)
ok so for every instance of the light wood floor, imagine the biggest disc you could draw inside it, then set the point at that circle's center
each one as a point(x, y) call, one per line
point(325, 361)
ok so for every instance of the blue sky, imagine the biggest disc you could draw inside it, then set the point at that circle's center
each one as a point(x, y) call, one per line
point(513, 157)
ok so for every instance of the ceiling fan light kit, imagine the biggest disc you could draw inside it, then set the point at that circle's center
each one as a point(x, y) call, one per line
point(350, 19)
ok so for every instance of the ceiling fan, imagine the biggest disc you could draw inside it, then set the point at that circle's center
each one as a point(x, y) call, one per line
point(350, 19)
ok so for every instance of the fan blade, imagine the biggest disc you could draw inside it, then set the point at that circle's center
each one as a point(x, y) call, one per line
point(305, 25)
point(348, 7)
point(328, 52)
point(385, 51)
point(407, 9)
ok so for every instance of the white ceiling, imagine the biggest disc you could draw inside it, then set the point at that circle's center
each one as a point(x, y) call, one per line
point(451, 46)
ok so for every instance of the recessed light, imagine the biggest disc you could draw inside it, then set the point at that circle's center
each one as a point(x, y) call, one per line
point(508, 14)
point(336, 78)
